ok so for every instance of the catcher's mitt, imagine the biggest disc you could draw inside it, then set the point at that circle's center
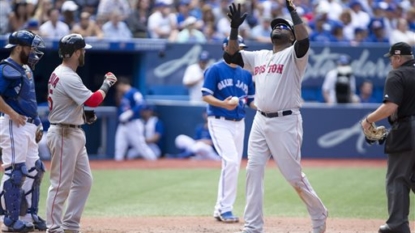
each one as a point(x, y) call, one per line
point(39, 133)
point(375, 133)
point(89, 116)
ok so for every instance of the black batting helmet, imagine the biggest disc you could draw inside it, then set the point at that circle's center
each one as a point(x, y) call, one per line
point(287, 22)
point(70, 43)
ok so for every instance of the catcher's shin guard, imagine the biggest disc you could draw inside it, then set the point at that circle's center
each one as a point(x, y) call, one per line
point(38, 222)
point(13, 192)
point(35, 190)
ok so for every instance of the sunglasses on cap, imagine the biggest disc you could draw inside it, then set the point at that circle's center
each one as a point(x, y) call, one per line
point(282, 26)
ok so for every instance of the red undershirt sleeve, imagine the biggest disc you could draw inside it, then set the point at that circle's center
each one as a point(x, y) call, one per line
point(95, 99)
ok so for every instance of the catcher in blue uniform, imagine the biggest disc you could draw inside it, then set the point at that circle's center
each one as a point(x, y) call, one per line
point(20, 130)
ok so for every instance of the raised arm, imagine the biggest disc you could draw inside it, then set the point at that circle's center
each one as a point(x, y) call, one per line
point(236, 21)
point(300, 31)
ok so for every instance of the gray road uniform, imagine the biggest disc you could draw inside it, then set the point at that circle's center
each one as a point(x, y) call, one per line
point(70, 174)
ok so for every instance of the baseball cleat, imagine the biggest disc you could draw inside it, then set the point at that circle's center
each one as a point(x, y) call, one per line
point(320, 229)
point(18, 226)
point(40, 224)
point(228, 217)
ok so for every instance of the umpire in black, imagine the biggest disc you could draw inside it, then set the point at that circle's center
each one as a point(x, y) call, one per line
point(399, 107)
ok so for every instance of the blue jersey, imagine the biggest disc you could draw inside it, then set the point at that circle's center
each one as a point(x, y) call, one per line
point(223, 81)
point(133, 100)
point(17, 88)
point(43, 116)
point(202, 132)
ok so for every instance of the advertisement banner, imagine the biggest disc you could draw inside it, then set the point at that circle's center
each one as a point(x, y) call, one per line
point(168, 66)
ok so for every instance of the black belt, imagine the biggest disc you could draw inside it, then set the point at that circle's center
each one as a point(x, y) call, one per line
point(28, 119)
point(227, 118)
point(68, 125)
point(276, 114)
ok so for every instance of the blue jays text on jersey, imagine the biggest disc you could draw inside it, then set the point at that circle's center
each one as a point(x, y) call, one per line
point(17, 88)
point(131, 100)
point(222, 81)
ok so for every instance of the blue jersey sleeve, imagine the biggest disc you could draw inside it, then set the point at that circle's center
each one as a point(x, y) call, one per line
point(209, 85)
point(251, 89)
point(198, 132)
point(160, 127)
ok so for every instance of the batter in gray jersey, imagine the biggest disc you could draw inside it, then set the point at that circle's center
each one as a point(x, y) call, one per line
point(277, 78)
point(67, 98)
point(277, 129)
point(70, 174)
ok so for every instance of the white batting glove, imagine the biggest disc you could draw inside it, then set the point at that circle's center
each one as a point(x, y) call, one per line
point(110, 78)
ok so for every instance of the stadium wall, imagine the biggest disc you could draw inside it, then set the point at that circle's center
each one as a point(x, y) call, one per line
point(157, 67)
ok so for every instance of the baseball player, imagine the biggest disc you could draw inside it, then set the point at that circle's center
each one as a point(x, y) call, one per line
point(19, 125)
point(153, 129)
point(130, 130)
point(193, 76)
point(223, 81)
point(70, 173)
point(277, 128)
point(200, 147)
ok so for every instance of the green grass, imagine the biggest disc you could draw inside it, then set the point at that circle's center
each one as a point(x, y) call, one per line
point(346, 192)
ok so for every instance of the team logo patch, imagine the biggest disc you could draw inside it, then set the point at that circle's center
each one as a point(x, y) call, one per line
point(29, 74)
point(397, 52)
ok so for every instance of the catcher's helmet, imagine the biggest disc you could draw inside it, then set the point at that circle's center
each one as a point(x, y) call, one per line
point(25, 38)
point(287, 22)
point(70, 43)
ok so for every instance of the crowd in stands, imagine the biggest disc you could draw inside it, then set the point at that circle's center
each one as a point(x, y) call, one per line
point(204, 21)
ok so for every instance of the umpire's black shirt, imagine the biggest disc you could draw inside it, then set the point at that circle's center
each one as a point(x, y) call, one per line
point(400, 89)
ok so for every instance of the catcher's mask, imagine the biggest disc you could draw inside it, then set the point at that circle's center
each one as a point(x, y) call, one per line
point(29, 39)
point(70, 43)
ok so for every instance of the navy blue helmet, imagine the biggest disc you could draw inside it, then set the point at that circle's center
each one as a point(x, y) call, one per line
point(25, 38)
point(30, 39)
point(241, 42)
point(70, 43)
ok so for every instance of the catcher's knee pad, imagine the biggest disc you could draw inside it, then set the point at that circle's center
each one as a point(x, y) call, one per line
point(13, 192)
point(35, 189)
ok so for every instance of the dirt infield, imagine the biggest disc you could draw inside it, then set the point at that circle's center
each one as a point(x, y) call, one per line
point(210, 225)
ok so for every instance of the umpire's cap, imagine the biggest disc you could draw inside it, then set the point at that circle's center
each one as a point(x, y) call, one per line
point(70, 43)
point(400, 48)
point(24, 38)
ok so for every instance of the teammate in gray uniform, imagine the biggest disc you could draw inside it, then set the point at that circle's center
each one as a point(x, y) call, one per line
point(70, 173)
point(277, 127)
point(19, 122)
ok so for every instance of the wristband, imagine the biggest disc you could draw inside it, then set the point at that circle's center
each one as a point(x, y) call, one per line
point(296, 18)
point(105, 87)
point(234, 34)
point(367, 121)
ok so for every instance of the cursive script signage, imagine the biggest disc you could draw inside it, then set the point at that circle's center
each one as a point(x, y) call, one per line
point(367, 62)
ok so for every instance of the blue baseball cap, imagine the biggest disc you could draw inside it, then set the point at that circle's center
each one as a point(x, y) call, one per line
point(204, 56)
point(148, 107)
point(343, 60)
point(240, 42)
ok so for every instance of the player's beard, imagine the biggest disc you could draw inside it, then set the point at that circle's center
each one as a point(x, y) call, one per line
point(81, 60)
point(280, 38)
point(24, 57)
